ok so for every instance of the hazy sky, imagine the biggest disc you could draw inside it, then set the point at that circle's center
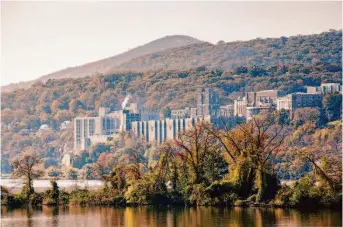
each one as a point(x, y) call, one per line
point(38, 38)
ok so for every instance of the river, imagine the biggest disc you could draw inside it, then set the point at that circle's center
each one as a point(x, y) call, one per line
point(14, 185)
point(166, 216)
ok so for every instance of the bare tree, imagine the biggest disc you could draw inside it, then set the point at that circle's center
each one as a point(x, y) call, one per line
point(26, 167)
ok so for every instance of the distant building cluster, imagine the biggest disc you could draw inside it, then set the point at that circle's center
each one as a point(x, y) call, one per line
point(91, 130)
point(206, 110)
point(147, 124)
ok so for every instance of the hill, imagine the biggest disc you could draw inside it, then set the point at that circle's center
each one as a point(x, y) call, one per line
point(109, 64)
point(301, 49)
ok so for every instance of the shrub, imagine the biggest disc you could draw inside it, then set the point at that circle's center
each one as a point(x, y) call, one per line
point(283, 195)
point(80, 197)
point(149, 190)
point(51, 196)
point(35, 199)
point(64, 197)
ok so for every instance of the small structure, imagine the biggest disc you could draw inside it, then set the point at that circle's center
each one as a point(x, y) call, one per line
point(44, 127)
point(65, 125)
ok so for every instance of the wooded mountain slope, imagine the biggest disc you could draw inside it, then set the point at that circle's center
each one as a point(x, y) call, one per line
point(308, 49)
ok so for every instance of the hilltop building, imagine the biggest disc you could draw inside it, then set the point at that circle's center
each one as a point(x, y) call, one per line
point(257, 102)
point(207, 102)
point(298, 100)
point(324, 88)
point(207, 105)
point(90, 130)
point(159, 131)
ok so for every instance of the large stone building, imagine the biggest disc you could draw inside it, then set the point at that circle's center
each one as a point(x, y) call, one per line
point(294, 101)
point(207, 105)
point(88, 130)
point(158, 131)
point(324, 88)
point(207, 102)
point(261, 101)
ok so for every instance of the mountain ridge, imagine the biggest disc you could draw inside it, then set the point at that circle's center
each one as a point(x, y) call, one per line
point(106, 65)
point(306, 50)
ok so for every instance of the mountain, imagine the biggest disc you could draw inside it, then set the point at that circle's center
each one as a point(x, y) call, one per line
point(301, 49)
point(109, 64)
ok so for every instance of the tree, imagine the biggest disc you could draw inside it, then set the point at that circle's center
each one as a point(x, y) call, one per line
point(167, 112)
point(306, 115)
point(198, 152)
point(51, 196)
point(26, 167)
point(332, 105)
point(72, 174)
point(250, 150)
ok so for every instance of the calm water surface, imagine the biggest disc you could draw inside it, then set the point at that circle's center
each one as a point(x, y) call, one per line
point(166, 216)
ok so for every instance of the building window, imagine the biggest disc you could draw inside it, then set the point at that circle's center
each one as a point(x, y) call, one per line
point(78, 131)
point(85, 127)
point(91, 127)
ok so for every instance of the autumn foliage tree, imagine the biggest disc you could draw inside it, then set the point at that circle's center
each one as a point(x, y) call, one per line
point(27, 167)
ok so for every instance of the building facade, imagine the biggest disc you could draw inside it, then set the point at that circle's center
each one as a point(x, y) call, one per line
point(158, 131)
point(265, 99)
point(324, 88)
point(207, 102)
point(226, 111)
point(108, 123)
point(181, 113)
point(298, 100)
point(252, 111)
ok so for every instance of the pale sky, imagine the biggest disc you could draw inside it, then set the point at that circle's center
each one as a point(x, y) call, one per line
point(38, 38)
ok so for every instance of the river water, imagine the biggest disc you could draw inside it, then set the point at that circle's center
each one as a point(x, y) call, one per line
point(166, 216)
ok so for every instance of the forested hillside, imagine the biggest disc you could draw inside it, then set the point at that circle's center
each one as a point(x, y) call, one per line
point(24, 111)
point(307, 50)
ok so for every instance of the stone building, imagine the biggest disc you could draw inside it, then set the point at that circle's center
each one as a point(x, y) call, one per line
point(294, 101)
point(226, 111)
point(207, 102)
point(324, 88)
point(88, 129)
point(158, 131)
point(181, 113)
point(264, 98)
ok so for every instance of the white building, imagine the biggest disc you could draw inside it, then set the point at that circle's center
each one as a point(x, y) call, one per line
point(324, 88)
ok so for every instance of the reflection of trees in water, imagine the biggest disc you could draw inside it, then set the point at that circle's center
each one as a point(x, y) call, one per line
point(168, 216)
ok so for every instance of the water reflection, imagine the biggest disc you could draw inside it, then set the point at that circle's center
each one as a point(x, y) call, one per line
point(166, 216)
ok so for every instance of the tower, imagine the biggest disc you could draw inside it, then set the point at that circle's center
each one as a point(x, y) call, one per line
point(207, 102)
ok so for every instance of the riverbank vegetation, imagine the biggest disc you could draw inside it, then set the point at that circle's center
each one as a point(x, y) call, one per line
point(208, 166)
